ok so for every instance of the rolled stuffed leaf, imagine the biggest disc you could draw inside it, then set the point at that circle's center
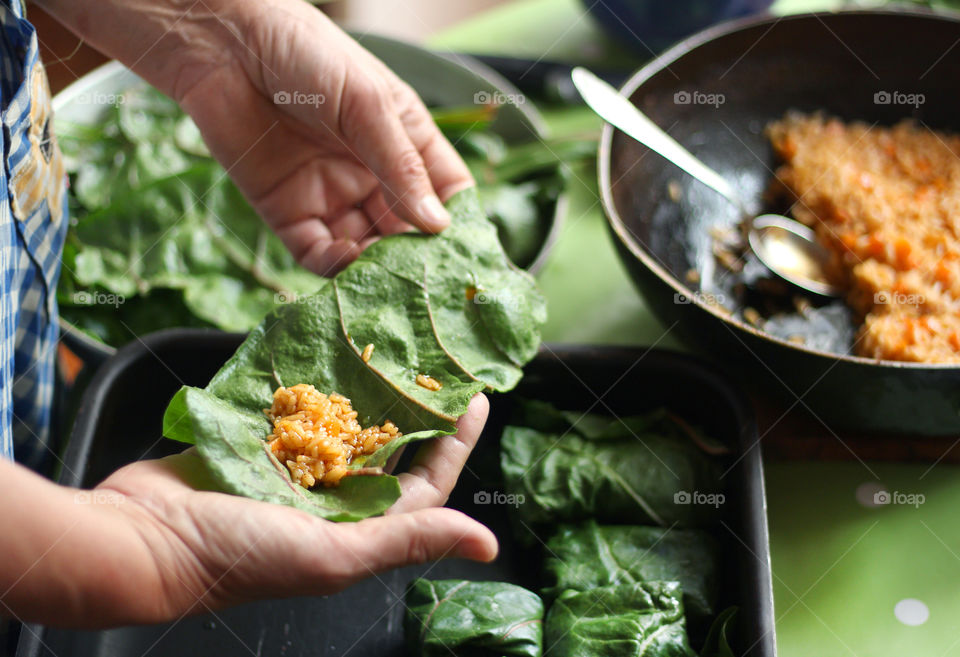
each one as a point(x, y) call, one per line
point(632, 620)
point(587, 556)
point(450, 307)
point(639, 470)
point(458, 617)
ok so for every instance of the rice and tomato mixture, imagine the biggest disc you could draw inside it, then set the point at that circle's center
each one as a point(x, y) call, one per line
point(317, 436)
point(886, 202)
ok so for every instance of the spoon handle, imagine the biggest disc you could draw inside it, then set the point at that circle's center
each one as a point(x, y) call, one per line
point(621, 113)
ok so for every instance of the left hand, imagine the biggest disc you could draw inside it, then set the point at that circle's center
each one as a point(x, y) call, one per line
point(212, 550)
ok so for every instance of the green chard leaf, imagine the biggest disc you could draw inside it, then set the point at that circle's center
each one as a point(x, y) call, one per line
point(587, 556)
point(458, 617)
point(632, 620)
point(416, 299)
point(636, 470)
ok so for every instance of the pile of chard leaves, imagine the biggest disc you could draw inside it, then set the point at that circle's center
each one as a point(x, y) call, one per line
point(451, 306)
point(161, 237)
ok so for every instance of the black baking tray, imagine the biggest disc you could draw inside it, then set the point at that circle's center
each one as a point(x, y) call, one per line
point(120, 421)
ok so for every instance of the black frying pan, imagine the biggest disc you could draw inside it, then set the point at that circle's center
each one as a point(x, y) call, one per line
point(715, 92)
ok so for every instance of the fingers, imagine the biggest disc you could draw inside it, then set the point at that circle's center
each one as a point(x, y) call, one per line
point(351, 225)
point(416, 166)
point(327, 246)
point(381, 217)
point(317, 247)
point(448, 172)
point(379, 544)
point(437, 465)
point(383, 145)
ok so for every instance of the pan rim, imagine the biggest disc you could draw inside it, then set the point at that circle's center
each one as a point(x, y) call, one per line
point(663, 62)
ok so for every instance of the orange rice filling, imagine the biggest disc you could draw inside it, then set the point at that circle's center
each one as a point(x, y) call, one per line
point(317, 436)
point(886, 202)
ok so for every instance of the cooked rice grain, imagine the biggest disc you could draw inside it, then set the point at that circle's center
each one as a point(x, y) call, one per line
point(428, 382)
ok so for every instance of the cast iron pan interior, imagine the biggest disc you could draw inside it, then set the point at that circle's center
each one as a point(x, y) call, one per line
point(735, 79)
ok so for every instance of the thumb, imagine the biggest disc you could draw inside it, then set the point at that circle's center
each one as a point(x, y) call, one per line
point(379, 544)
point(384, 146)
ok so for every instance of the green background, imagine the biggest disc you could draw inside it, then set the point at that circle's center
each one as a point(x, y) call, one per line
point(840, 567)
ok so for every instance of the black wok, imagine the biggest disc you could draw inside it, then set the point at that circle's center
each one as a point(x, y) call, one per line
point(715, 92)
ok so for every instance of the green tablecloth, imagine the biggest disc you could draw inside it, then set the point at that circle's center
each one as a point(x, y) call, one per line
point(849, 578)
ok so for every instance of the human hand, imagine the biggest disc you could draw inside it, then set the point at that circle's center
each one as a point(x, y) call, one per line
point(149, 544)
point(329, 146)
point(212, 550)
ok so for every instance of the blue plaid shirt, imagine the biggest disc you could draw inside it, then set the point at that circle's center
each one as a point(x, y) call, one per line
point(33, 222)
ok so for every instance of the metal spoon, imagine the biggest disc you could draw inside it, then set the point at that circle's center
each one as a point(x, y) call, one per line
point(787, 247)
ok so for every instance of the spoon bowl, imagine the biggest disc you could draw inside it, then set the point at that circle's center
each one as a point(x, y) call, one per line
point(790, 249)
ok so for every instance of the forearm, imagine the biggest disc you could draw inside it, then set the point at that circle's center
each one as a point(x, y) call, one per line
point(68, 557)
point(167, 42)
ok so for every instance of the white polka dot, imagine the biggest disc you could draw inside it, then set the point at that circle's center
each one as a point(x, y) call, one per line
point(873, 494)
point(910, 611)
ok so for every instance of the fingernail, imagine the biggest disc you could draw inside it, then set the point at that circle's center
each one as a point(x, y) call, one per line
point(432, 212)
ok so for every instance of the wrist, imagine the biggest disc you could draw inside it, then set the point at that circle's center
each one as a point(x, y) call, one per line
point(73, 558)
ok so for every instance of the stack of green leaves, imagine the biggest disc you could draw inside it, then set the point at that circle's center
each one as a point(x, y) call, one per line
point(519, 184)
point(640, 620)
point(618, 590)
point(161, 237)
point(451, 306)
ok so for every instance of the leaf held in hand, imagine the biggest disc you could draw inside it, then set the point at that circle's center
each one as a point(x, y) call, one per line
point(406, 295)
